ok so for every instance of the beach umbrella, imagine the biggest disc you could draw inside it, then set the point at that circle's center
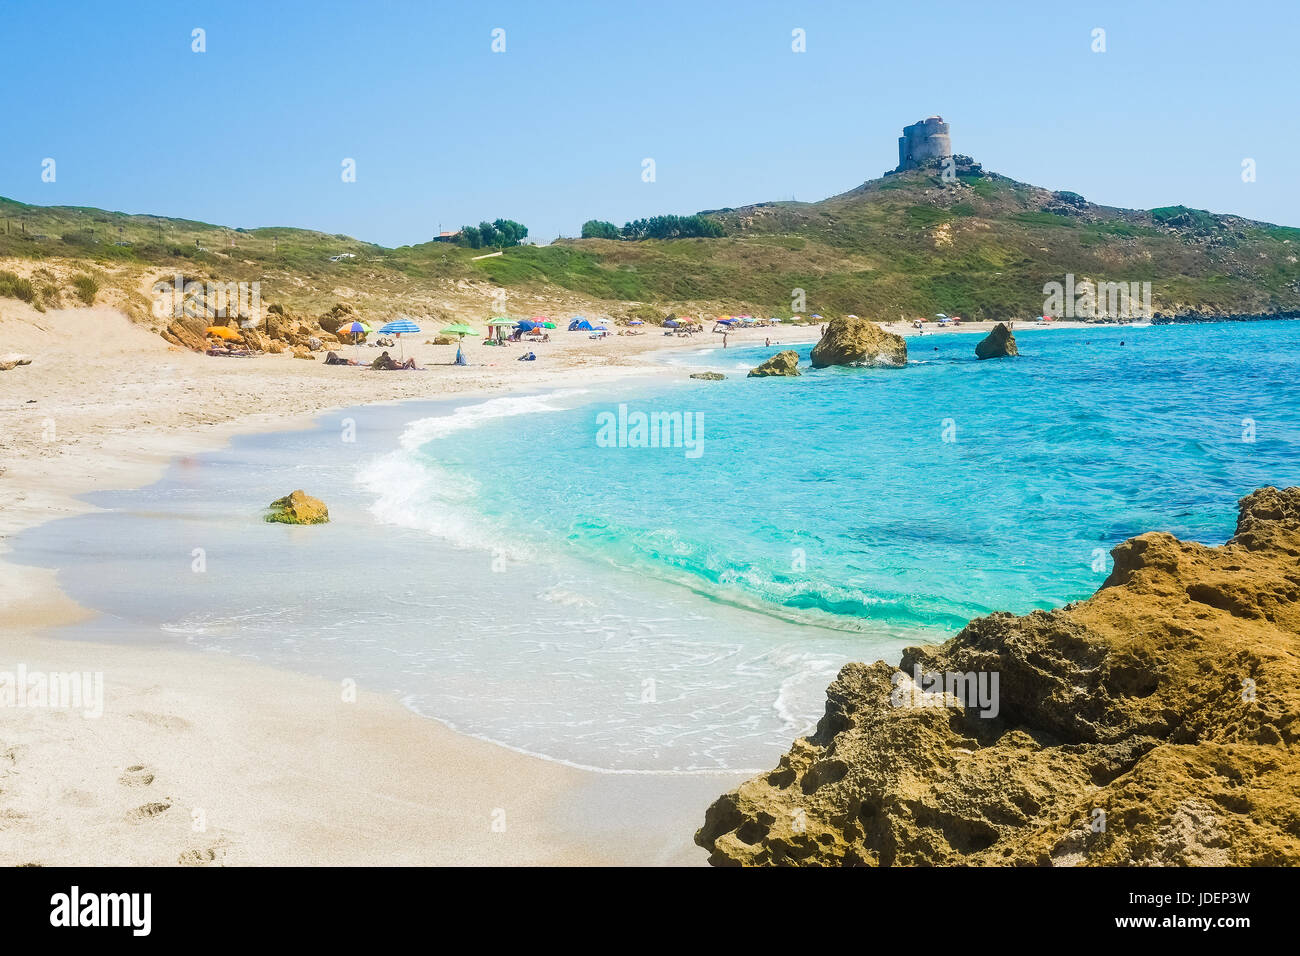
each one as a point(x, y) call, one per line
point(940, 315)
point(775, 319)
point(354, 329)
point(461, 330)
point(223, 332)
point(500, 320)
point(397, 327)
point(636, 322)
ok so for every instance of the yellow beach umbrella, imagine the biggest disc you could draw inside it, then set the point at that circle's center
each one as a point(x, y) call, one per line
point(223, 332)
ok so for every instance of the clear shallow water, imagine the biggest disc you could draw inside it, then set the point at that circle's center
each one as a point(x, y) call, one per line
point(636, 609)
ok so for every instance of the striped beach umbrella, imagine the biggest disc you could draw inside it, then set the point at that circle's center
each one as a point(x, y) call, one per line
point(397, 327)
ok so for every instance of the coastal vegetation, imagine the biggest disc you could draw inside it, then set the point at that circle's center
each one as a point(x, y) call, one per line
point(981, 245)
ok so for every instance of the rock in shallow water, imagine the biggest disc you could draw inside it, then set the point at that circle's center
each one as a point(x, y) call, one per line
point(782, 363)
point(298, 508)
point(709, 376)
point(999, 343)
point(858, 342)
point(1154, 723)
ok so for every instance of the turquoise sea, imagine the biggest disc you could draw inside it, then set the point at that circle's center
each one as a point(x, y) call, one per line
point(503, 566)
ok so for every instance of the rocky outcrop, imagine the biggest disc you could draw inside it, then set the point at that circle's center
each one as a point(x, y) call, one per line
point(709, 376)
point(187, 333)
point(858, 342)
point(999, 343)
point(13, 360)
point(298, 507)
point(1155, 723)
point(336, 316)
point(302, 352)
point(782, 363)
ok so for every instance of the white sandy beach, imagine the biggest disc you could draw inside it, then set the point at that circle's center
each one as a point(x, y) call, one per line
point(277, 767)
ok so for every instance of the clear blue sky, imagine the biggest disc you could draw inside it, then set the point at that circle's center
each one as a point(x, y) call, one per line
point(552, 132)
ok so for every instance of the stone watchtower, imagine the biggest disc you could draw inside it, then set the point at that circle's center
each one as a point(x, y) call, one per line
point(923, 141)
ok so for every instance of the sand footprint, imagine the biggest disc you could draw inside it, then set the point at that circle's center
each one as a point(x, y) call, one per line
point(138, 775)
point(147, 811)
point(202, 857)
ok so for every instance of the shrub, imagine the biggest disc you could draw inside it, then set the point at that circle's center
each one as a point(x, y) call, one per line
point(597, 229)
point(15, 287)
point(86, 288)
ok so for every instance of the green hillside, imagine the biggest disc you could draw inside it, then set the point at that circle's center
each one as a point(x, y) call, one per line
point(907, 244)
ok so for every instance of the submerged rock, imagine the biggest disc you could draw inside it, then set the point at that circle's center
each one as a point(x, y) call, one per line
point(1154, 723)
point(782, 363)
point(298, 508)
point(999, 343)
point(858, 342)
point(709, 376)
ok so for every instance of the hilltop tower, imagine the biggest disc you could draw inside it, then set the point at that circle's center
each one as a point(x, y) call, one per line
point(923, 141)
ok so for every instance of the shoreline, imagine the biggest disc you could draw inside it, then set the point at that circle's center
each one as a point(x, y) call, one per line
point(128, 454)
point(69, 796)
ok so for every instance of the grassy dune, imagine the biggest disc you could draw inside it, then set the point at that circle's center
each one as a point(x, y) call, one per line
point(907, 244)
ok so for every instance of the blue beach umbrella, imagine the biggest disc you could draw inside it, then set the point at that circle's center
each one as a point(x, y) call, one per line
point(397, 327)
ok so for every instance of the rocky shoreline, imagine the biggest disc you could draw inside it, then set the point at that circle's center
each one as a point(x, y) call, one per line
point(1194, 317)
point(1154, 723)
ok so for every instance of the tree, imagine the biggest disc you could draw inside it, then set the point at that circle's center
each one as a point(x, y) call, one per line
point(671, 227)
point(509, 232)
point(494, 235)
point(599, 229)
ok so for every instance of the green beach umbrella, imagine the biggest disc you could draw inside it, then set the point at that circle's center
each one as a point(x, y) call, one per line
point(459, 329)
point(500, 323)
